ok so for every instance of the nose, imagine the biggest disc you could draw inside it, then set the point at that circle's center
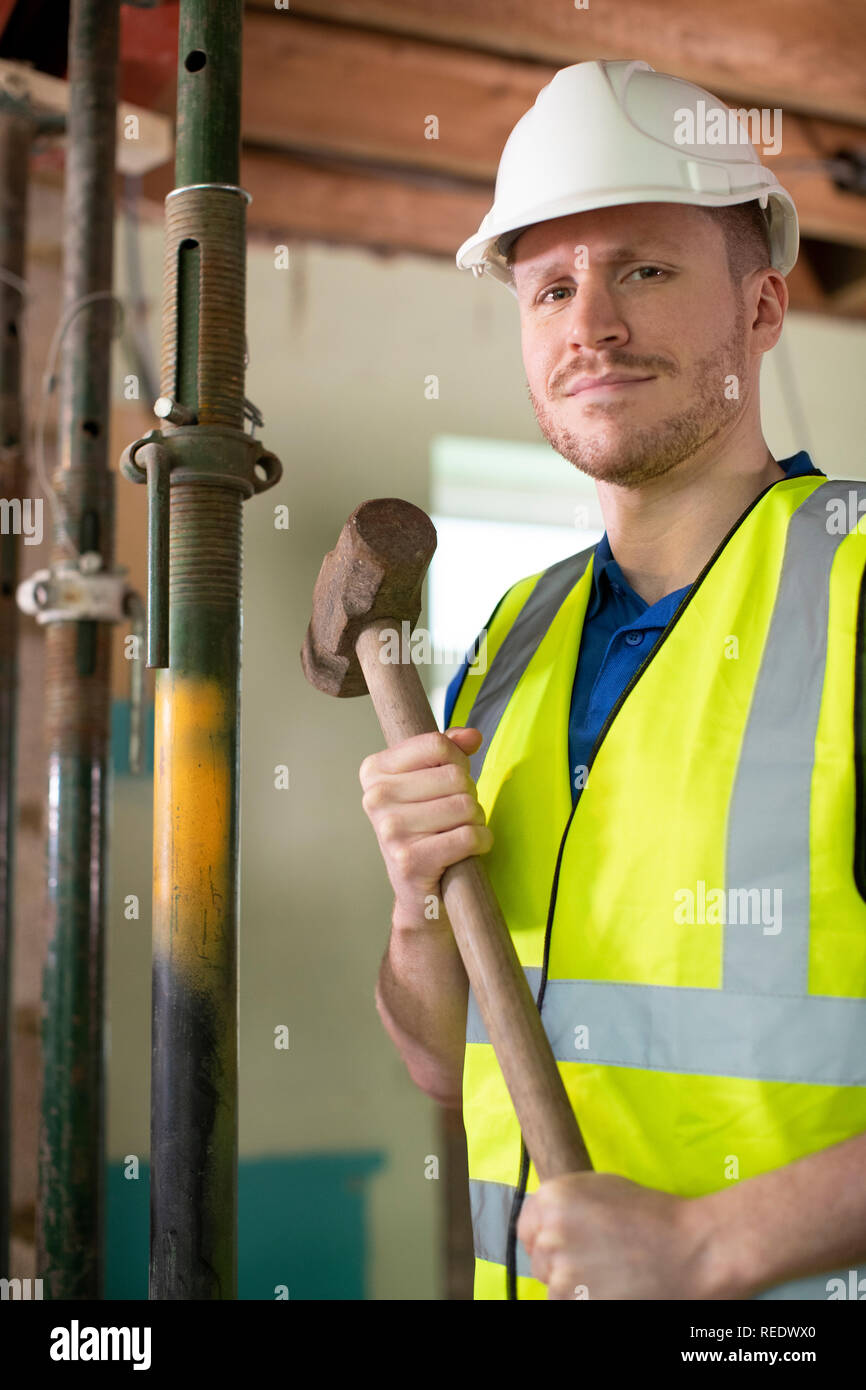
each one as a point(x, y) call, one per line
point(594, 320)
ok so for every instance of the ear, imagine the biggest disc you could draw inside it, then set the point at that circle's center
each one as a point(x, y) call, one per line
point(766, 297)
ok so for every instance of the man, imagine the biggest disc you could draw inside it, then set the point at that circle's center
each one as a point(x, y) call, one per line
point(660, 753)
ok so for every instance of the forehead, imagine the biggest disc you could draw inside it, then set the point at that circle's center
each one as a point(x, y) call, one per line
point(620, 234)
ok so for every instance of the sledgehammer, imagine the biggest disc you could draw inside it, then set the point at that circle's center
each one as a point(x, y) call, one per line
point(370, 582)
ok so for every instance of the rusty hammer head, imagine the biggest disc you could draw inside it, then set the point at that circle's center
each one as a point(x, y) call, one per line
point(375, 570)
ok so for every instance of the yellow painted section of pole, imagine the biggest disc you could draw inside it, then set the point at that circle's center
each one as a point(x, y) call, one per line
point(193, 879)
point(195, 986)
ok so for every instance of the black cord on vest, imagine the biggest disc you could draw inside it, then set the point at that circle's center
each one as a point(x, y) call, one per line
point(860, 745)
point(516, 1208)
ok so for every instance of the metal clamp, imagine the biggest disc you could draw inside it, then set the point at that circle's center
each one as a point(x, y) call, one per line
point(84, 593)
point(230, 458)
point(155, 472)
point(74, 593)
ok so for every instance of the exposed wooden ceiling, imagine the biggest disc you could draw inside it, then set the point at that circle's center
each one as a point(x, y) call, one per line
point(791, 53)
point(336, 94)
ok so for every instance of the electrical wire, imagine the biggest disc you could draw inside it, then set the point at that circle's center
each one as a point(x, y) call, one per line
point(16, 283)
point(138, 342)
point(49, 381)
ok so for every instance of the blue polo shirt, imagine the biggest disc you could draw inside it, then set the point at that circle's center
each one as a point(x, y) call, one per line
point(619, 631)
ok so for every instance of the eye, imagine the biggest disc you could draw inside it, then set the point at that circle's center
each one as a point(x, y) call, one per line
point(655, 272)
point(557, 289)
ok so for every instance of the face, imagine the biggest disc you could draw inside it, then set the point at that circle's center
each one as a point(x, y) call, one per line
point(631, 330)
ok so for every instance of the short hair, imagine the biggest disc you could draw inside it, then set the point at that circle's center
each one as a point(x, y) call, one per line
point(747, 237)
point(744, 227)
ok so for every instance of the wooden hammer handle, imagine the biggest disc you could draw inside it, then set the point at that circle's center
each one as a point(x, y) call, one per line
point(498, 982)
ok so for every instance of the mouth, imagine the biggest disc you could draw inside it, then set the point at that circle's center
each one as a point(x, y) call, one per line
point(607, 386)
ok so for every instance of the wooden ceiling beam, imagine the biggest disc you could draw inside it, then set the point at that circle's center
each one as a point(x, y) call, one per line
point(788, 53)
point(327, 89)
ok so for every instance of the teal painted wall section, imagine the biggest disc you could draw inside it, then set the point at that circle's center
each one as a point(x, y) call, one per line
point(302, 1222)
point(120, 738)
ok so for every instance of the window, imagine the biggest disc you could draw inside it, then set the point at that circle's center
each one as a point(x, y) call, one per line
point(502, 511)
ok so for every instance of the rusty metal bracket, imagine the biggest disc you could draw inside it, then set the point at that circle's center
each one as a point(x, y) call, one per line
point(75, 593)
point(215, 455)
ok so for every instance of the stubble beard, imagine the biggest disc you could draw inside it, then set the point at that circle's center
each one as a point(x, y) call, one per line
point(632, 457)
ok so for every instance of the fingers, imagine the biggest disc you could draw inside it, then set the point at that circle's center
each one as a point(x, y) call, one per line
point(422, 862)
point(421, 751)
point(423, 804)
point(529, 1222)
point(423, 784)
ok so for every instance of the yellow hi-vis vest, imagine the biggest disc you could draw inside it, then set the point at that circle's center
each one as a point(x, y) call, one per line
point(694, 928)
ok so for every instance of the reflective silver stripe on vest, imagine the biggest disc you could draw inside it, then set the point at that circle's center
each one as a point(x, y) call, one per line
point(491, 1211)
point(519, 646)
point(816, 1039)
point(770, 809)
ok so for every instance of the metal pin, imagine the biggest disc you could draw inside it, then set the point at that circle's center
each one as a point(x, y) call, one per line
point(167, 409)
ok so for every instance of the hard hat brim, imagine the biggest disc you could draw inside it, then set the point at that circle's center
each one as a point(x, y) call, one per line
point(482, 252)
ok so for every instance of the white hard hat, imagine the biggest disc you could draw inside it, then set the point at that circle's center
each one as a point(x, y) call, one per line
point(602, 134)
